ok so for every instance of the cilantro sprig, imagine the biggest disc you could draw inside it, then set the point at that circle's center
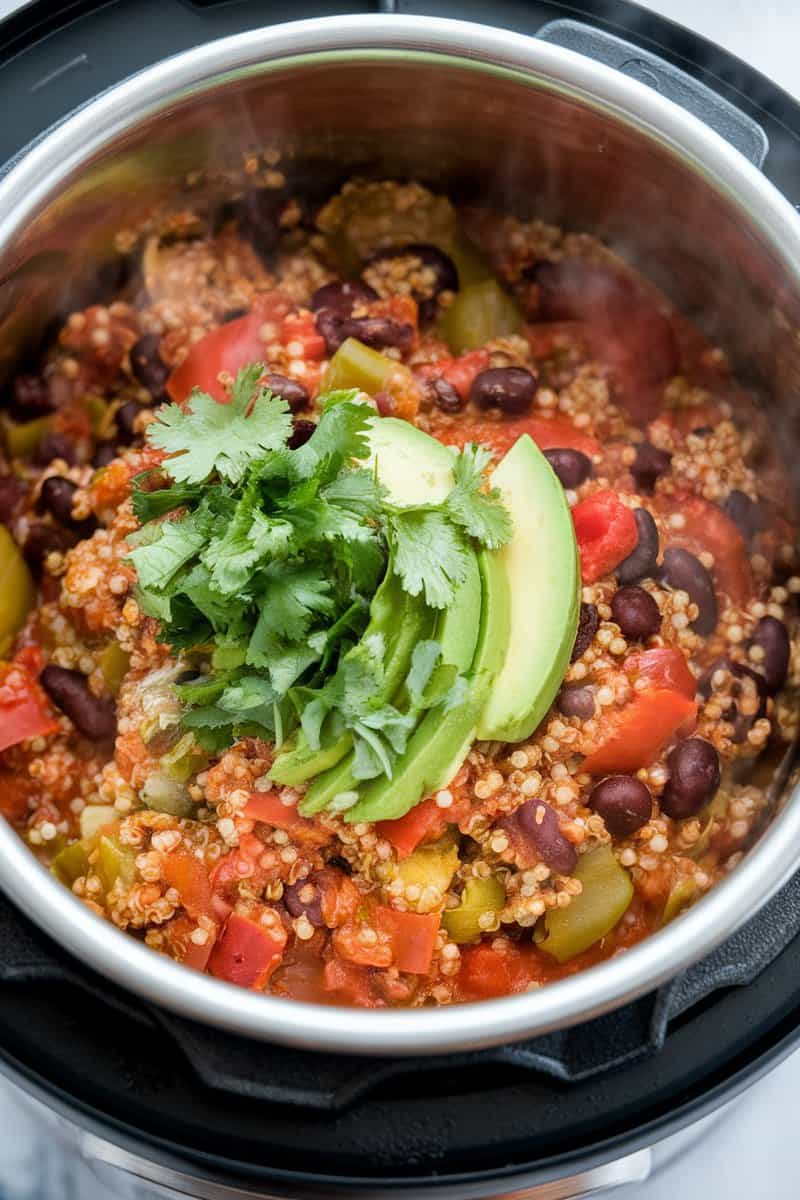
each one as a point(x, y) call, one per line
point(260, 562)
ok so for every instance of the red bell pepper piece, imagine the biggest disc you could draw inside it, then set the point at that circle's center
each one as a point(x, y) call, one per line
point(248, 952)
point(412, 937)
point(178, 933)
point(640, 731)
point(189, 876)
point(301, 327)
point(24, 711)
point(662, 667)
point(423, 823)
point(486, 973)
point(606, 532)
point(707, 528)
point(269, 808)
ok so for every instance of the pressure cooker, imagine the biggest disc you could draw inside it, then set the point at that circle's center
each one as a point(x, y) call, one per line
point(597, 116)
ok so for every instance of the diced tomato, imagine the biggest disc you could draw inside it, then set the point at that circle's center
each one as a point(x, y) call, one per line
point(248, 952)
point(662, 667)
point(301, 327)
point(178, 933)
point(639, 732)
point(549, 433)
point(458, 372)
point(24, 711)
point(31, 658)
point(606, 532)
point(189, 876)
point(412, 937)
point(425, 822)
point(13, 795)
point(227, 348)
point(548, 338)
point(225, 878)
point(269, 808)
point(349, 984)
point(707, 528)
point(402, 309)
point(486, 973)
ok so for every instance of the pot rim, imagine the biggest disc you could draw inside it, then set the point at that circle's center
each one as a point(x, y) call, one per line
point(584, 995)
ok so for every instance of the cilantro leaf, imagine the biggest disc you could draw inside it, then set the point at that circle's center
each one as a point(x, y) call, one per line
point(147, 505)
point(178, 542)
point(481, 514)
point(430, 554)
point(341, 435)
point(208, 436)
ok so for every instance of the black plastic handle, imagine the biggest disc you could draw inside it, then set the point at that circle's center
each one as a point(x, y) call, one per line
point(743, 133)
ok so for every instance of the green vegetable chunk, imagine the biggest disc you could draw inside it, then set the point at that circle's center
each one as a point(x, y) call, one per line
point(480, 896)
point(431, 866)
point(22, 437)
point(479, 313)
point(355, 365)
point(17, 591)
point(70, 863)
point(607, 892)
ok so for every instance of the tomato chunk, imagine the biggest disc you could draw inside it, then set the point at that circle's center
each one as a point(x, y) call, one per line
point(412, 937)
point(707, 528)
point(269, 808)
point(638, 734)
point(423, 823)
point(348, 983)
point(606, 532)
point(24, 711)
point(486, 973)
point(549, 433)
point(189, 876)
point(178, 933)
point(663, 667)
point(301, 327)
point(248, 952)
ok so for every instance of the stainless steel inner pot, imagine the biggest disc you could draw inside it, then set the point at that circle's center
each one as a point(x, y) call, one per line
point(527, 126)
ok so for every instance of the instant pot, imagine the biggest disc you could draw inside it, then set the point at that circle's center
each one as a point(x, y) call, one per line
point(155, 1074)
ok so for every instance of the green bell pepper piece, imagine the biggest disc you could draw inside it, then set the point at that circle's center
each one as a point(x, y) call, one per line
point(607, 892)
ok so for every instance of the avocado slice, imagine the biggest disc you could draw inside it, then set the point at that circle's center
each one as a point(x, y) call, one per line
point(442, 740)
point(457, 634)
point(541, 563)
point(402, 620)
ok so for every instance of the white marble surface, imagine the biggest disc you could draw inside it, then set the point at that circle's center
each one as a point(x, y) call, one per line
point(754, 1153)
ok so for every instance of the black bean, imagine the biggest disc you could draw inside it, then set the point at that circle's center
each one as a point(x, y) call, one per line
point(539, 822)
point(682, 571)
point(304, 899)
point(624, 803)
point(56, 496)
point(745, 680)
point(588, 624)
point(341, 863)
point(571, 466)
point(258, 212)
point(289, 390)
point(642, 560)
point(636, 613)
point(125, 419)
point(694, 775)
point(105, 453)
point(770, 634)
point(575, 700)
point(650, 463)
point(147, 365)
point(511, 389)
point(55, 445)
point(737, 669)
point(43, 539)
point(91, 715)
point(233, 314)
point(378, 332)
point(342, 298)
point(30, 398)
point(745, 513)
point(301, 432)
point(12, 494)
point(444, 395)
point(441, 266)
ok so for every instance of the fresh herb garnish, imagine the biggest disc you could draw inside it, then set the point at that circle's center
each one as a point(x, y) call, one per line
point(262, 561)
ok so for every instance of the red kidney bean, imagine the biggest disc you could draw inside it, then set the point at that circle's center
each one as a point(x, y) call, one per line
point(641, 563)
point(649, 465)
point(56, 496)
point(444, 395)
point(746, 514)
point(442, 267)
point(342, 298)
point(511, 389)
point(770, 634)
point(575, 700)
point(636, 613)
point(301, 432)
point(53, 446)
point(12, 495)
point(289, 390)
point(571, 466)
point(539, 823)
point(588, 624)
point(43, 539)
point(93, 716)
point(694, 777)
point(30, 398)
point(682, 571)
point(147, 365)
point(304, 898)
point(624, 803)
